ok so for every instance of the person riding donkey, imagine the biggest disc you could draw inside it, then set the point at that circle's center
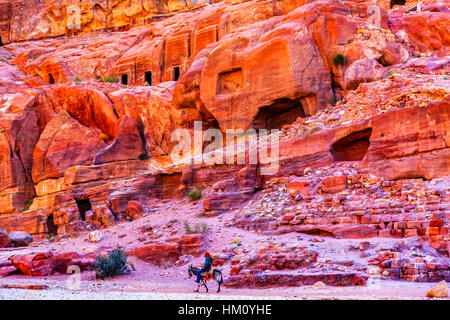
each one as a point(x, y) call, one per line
point(206, 273)
point(206, 267)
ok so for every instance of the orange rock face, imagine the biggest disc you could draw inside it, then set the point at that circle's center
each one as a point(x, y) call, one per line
point(64, 143)
point(256, 78)
point(70, 16)
point(86, 118)
point(89, 107)
point(127, 146)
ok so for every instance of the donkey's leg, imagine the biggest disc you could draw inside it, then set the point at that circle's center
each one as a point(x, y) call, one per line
point(198, 287)
point(204, 283)
point(218, 289)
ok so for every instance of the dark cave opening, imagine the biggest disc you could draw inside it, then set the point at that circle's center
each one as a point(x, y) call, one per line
point(148, 77)
point(51, 80)
point(84, 205)
point(124, 79)
point(176, 73)
point(397, 2)
point(281, 112)
point(352, 147)
point(52, 229)
point(1, 42)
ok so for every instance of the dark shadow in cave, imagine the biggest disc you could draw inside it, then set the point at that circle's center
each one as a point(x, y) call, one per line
point(176, 73)
point(148, 77)
point(124, 79)
point(83, 205)
point(52, 229)
point(281, 112)
point(397, 2)
point(352, 147)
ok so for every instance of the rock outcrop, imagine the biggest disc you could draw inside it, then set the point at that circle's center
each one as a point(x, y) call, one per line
point(63, 144)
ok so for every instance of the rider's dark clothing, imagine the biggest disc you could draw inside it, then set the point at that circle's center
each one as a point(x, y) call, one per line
point(206, 267)
point(208, 263)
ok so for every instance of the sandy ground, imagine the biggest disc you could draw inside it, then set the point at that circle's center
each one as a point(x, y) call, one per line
point(118, 290)
point(152, 282)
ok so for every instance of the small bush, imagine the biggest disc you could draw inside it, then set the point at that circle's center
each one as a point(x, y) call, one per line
point(76, 79)
point(112, 265)
point(27, 204)
point(312, 130)
point(201, 214)
point(51, 235)
point(198, 228)
point(389, 73)
point(333, 100)
point(143, 156)
point(339, 59)
point(236, 241)
point(194, 194)
point(110, 79)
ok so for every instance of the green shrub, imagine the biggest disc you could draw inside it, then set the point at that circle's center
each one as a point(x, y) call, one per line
point(51, 235)
point(339, 59)
point(76, 79)
point(236, 241)
point(194, 194)
point(312, 130)
point(27, 204)
point(112, 265)
point(110, 79)
point(333, 100)
point(201, 214)
point(390, 73)
point(198, 228)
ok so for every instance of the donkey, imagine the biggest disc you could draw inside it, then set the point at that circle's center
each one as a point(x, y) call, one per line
point(216, 275)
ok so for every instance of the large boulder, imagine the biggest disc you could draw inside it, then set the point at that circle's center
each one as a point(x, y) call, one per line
point(20, 238)
point(134, 209)
point(438, 291)
point(363, 70)
point(46, 263)
point(35, 265)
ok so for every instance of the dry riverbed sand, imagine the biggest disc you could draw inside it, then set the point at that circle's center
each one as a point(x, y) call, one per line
point(149, 281)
